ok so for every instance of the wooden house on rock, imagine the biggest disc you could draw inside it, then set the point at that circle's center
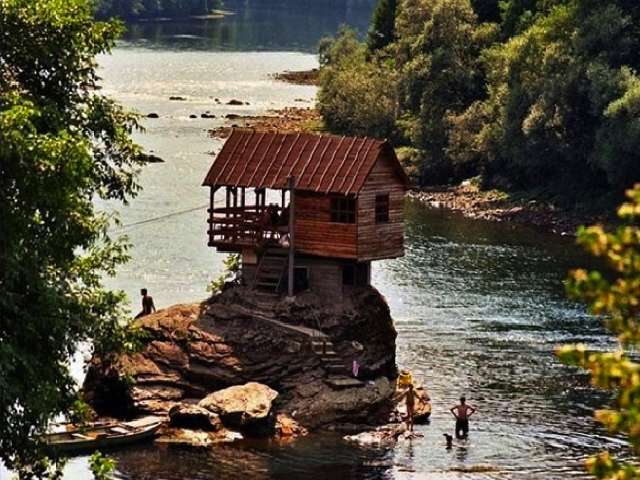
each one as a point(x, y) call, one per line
point(306, 211)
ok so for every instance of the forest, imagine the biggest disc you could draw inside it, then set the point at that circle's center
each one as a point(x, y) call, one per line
point(537, 95)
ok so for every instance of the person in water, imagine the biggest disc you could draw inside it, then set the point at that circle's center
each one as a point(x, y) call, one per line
point(148, 306)
point(462, 412)
point(410, 402)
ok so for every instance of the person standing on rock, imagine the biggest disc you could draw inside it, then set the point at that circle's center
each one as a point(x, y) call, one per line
point(462, 412)
point(148, 307)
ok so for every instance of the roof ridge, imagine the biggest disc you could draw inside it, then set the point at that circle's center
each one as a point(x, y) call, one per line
point(324, 163)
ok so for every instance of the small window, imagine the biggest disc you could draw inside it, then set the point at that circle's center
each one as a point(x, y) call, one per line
point(343, 210)
point(382, 208)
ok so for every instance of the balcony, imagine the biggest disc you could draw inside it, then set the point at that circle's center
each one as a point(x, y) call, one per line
point(234, 228)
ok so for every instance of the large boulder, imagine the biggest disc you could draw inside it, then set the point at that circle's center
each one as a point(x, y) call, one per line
point(193, 417)
point(247, 407)
point(422, 407)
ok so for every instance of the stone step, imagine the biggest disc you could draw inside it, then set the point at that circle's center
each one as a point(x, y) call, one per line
point(327, 360)
point(339, 382)
point(335, 369)
point(269, 276)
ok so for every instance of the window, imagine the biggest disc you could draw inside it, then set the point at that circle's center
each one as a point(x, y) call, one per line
point(343, 210)
point(382, 208)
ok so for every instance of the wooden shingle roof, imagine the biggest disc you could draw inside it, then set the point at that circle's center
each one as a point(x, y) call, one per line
point(320, 163)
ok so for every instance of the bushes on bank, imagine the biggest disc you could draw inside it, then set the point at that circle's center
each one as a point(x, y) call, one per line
point(548, 95)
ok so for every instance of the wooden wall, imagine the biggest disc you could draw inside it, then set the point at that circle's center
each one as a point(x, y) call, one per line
point(382, 240)
point(365, 240)
point(325, 275)
point(316, 234)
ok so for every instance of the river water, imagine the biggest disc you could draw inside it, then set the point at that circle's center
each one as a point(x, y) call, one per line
point(479, 307)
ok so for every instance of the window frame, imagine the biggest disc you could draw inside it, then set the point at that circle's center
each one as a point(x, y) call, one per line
point(382, 203)
point(342, 209)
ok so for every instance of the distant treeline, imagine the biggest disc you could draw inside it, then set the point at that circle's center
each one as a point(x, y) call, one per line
point(528, 94)
point(133, 9)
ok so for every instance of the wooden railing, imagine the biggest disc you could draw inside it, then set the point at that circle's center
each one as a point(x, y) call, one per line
point(243, 226)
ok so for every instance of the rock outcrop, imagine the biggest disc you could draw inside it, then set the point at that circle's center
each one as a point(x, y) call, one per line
point(246, 408)
point(301, 349)
point(194, 417)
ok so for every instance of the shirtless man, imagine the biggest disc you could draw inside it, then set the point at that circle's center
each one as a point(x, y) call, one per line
point(148, 306)
point(410, 397)
point(462, 413)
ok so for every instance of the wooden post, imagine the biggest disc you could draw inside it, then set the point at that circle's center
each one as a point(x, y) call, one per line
point(291, 184)
point(234, 193)
point(212, 206)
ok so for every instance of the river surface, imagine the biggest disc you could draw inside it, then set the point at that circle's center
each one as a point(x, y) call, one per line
point(479, 307)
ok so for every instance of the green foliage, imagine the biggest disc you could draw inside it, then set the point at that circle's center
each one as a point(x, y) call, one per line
point(547, 97)
point(383, 25)
point(80, 412)
point(131, 9)
point(357, 96)
point(102, 466)
point(438, 54)
point(231, 268)
point(41, 468)
point(62, 146)
point(616, 298)
point(561, 104)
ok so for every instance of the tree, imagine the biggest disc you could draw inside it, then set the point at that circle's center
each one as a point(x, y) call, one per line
point(615, 297)
point(383, 25)
point(562, 101)
point(357, 95)
point(62, 145)
point(438, 56)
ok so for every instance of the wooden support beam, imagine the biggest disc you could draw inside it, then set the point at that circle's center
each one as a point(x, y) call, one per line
point(234, 193)
point(212, 202)
point(291, 184)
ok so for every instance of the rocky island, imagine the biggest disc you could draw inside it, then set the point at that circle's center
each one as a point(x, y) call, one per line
point(257, 365)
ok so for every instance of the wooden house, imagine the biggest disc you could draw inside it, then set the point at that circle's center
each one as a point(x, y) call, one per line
point(306, 211)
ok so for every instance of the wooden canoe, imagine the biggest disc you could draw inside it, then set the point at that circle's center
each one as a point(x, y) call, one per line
point(101, 436)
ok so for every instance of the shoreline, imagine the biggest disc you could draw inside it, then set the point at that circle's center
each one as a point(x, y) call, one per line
point(500, 207)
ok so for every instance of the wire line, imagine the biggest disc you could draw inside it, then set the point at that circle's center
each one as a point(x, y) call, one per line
point(163, 217)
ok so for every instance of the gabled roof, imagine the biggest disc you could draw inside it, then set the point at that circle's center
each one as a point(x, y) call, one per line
point(319, 163)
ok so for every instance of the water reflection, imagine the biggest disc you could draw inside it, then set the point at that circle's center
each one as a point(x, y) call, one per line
point(479, 309)
point(256, 25)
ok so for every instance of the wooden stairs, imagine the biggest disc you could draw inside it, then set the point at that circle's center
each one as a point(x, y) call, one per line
point(271, 270)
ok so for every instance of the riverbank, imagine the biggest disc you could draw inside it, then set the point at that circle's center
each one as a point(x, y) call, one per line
point(499, 206)
point(299, 77)
point(289, 119)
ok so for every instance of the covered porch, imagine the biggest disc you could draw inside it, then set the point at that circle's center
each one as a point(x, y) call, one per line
point(241, 218)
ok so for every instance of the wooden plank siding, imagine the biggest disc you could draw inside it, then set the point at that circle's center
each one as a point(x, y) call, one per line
point(378, 241)
point(325, 275)
point(316, 234)
point(365, 240)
